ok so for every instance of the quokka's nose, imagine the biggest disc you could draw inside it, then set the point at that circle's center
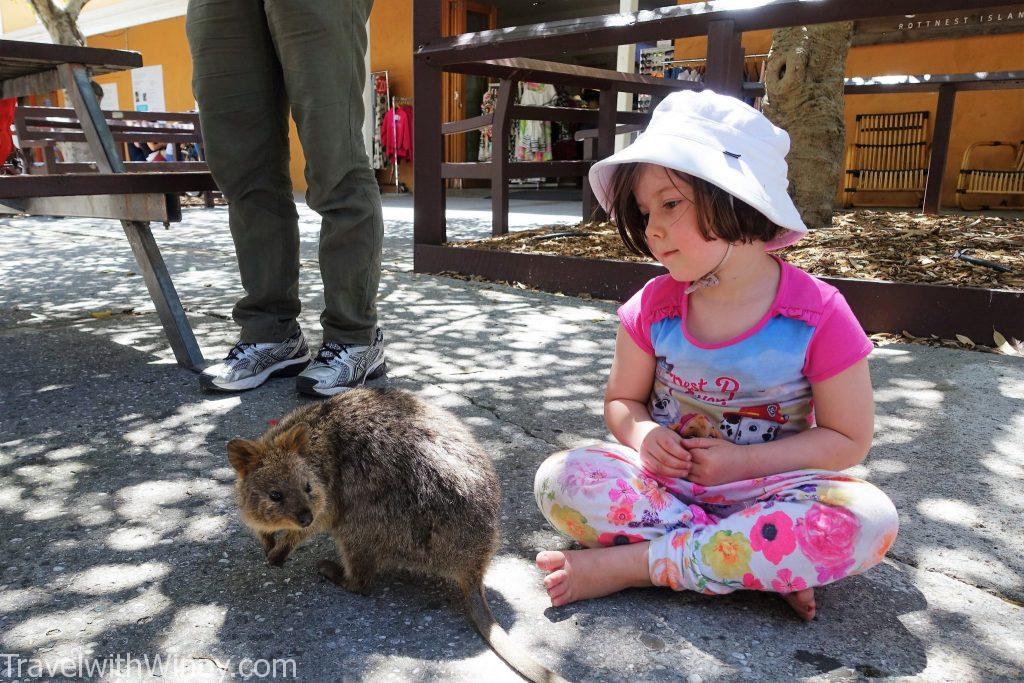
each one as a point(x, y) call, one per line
point(305, 518)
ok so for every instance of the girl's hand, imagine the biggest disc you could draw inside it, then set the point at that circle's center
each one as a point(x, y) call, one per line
point(662, 453)
point(715, 461)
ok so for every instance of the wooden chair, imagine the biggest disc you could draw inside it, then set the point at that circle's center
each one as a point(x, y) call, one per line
point(1004, 181)
point(42, 127)
point(889, 154)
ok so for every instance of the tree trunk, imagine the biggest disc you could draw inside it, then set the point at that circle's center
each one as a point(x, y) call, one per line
point(804, 95)
point(62, 25)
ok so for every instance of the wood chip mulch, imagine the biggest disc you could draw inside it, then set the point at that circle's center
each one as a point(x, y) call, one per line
point(899, 246)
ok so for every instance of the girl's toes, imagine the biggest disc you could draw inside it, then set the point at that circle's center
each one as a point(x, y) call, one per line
point(558, 592)
point(550, 560)
point(555, 579)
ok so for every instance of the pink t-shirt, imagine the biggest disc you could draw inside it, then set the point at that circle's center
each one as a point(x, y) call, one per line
point(755, 387)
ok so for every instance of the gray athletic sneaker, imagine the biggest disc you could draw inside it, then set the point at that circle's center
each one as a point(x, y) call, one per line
point(249, 365)
point(338, 367)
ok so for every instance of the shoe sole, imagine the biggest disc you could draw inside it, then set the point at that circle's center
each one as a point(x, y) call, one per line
point(307, 385)
point(288, 368)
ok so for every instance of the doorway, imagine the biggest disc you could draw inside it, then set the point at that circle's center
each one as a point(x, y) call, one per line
point(462, 94)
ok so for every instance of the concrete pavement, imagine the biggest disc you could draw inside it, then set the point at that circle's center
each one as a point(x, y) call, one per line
point(120, 534)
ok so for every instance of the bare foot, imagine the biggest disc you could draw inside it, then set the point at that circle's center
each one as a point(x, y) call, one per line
point(584, 574)
point(802, 603)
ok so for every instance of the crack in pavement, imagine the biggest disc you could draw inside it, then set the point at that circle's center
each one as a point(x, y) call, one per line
point(909, 562)
point(494, 412)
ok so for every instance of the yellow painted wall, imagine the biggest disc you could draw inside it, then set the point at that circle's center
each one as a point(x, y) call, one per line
point(391, 50)
point(982, 115)
point(18, 14)
point(979, 115)
point(163, 43)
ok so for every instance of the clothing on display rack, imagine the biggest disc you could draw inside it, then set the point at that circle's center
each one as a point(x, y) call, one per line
point(533, 138)
point(381, 96)
point(486, 134)
point(396, 133)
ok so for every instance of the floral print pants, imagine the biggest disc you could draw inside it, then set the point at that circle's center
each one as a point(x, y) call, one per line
point(781, 533)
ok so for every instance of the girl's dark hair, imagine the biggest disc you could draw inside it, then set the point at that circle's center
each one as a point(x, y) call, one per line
point(715, 217)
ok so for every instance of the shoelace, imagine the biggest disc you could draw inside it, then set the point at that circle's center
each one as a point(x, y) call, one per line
point(240, 350)
point(329, 351)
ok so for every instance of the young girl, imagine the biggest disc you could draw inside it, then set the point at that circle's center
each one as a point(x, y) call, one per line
point(738, 392)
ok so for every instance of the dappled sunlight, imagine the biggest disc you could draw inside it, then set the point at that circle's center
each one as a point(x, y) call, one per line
point(158, 436)
point(105, 579)
point(121, 532)
point(916, 392)
point(950, 511)
point(197, 625)
point(16, 600)
point(893, 429)
point(132, 538)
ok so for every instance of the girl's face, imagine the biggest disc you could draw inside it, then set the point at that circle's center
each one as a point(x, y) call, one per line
point(666, 201)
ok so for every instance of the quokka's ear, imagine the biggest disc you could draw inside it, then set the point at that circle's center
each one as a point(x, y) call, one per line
point(294, 440)
point(244, 456)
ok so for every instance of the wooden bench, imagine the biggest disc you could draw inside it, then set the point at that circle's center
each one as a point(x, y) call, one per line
point(889, 154)
point(43, 127)
point(1005, 181)
point(133, 198)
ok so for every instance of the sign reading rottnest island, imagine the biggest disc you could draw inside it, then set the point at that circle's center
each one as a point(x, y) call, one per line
point(940, 25)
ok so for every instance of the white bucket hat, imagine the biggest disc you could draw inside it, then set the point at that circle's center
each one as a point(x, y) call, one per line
point(722, 140)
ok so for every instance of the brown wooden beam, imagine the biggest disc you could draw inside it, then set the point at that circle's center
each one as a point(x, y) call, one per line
point(608, 104)
point(465, 125)
point(592, 133)
point(557, 73)
point(30, 84)
point(940, 147)
point(16, 54)
point(75, 184)
point(879, 306)
point(681, 21)
point(985, 80)
point(574, 115)
point(516, 169)
point(161, 208)
point(115, 114)
point(725, 59)
point(500, 151)
point(428, 199)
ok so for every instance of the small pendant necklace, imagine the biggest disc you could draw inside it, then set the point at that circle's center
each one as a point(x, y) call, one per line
point(709, 280)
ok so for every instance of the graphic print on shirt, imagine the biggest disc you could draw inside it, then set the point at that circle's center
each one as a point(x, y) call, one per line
point(751, 391)
point(665, 408)
point(753, 424)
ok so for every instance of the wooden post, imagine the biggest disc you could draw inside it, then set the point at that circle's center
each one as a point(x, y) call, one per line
point(75, 79)
point(499, 157)
point(724, 72)
point(940, 147)
point(590, 207)
point(608, 105)
point(428, 143)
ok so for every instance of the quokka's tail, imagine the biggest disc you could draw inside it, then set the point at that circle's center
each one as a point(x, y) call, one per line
point(514, 655)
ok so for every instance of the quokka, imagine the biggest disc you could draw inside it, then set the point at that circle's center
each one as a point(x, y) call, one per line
point(395, 481)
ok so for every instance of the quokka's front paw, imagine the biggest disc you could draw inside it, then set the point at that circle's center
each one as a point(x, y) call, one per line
point(332, 571)
point(277, 556)
point(267, 542)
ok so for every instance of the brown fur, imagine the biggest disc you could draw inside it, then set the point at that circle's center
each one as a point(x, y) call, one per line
point(396, 482)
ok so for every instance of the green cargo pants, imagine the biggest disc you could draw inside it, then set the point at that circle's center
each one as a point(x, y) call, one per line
point(252, 60)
